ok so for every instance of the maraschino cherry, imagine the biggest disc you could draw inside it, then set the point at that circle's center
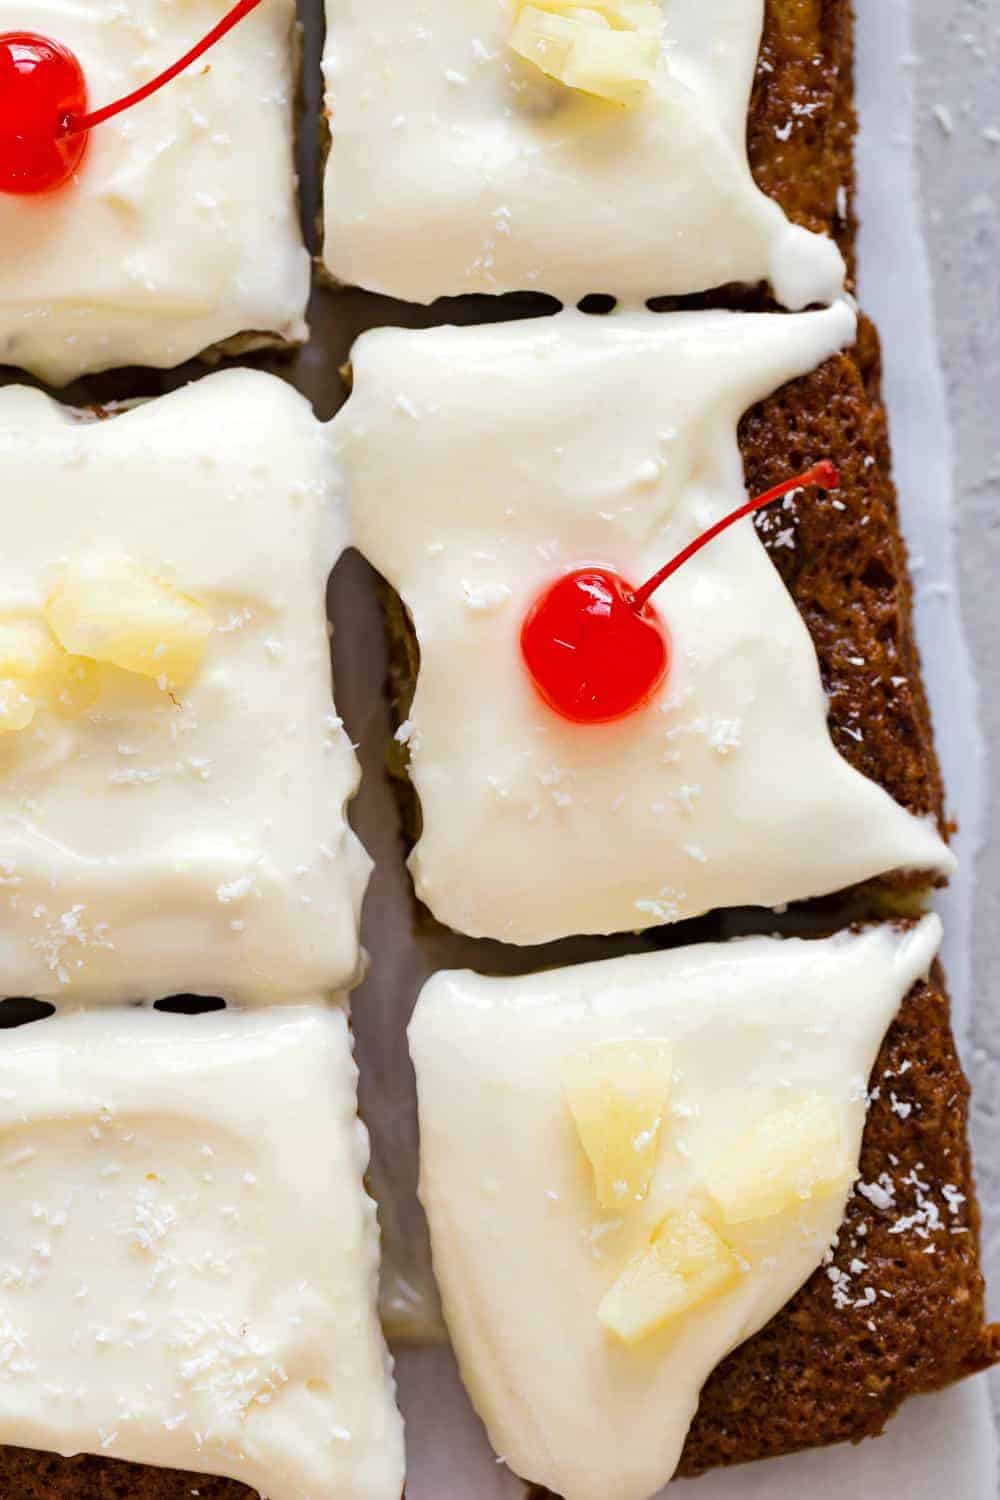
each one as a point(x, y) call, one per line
point(44, 124)
point(595, 647)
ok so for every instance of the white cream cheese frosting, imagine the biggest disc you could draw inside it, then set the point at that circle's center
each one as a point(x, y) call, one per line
point(157, 843)
point(188, 1257)
point(480, 463)
point(182, 227)
point(522, 1252)
point(457, 167)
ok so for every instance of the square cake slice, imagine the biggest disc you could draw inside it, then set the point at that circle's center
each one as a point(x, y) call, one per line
point(173, 776)
point(190, 1259)
point(694, 1248)
point(484, 464)
point(511, 145)
point(180, 230)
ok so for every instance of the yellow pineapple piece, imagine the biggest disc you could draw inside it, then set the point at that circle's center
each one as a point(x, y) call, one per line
point(45, 674)
point(790, 1156)
point(110, 609)
point(27, 648)
point(609, 48)
point(623, 15)
point(74, 686)
point(684, 1264)
point(16, 709)
point(616, 1093)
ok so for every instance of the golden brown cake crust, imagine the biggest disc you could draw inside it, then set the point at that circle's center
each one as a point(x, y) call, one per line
point(26, 1475)
point(843, 560)
point(801, 124)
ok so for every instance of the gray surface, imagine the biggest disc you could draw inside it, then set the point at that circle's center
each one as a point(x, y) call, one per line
point(957, 65)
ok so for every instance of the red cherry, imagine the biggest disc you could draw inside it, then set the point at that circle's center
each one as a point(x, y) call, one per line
point(41, 87)
point(44, 124)
point(591, 654)
point(595, 648)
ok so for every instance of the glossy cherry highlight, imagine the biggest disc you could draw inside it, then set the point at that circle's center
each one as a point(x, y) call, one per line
point(595, 647)
point(44, 123)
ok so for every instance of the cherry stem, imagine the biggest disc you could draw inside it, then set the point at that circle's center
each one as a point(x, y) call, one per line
point(77, 123)
point(824, 474)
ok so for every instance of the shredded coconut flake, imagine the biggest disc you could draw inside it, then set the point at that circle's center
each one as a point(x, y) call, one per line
point(235, 890)
point(483, 598)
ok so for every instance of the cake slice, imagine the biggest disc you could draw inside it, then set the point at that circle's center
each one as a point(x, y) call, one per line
point(180, 232)
point(481, 464)
point(803, 1252)
point(173, 775)
point(164, 1297)
point(533, 146)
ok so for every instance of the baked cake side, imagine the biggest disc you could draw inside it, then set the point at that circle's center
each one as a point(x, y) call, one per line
point(802, 124)
point(844, 561)
point(29, 1475)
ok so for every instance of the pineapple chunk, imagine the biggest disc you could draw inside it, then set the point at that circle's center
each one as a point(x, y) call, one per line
point(110, 609)
point(788, 1157)
point(44, 673)
point(16, 709)
point(27, 649)
point(616, 1093)
point(609, 48)
point(623, 15)
point(685, 1263)
point(75, 686)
